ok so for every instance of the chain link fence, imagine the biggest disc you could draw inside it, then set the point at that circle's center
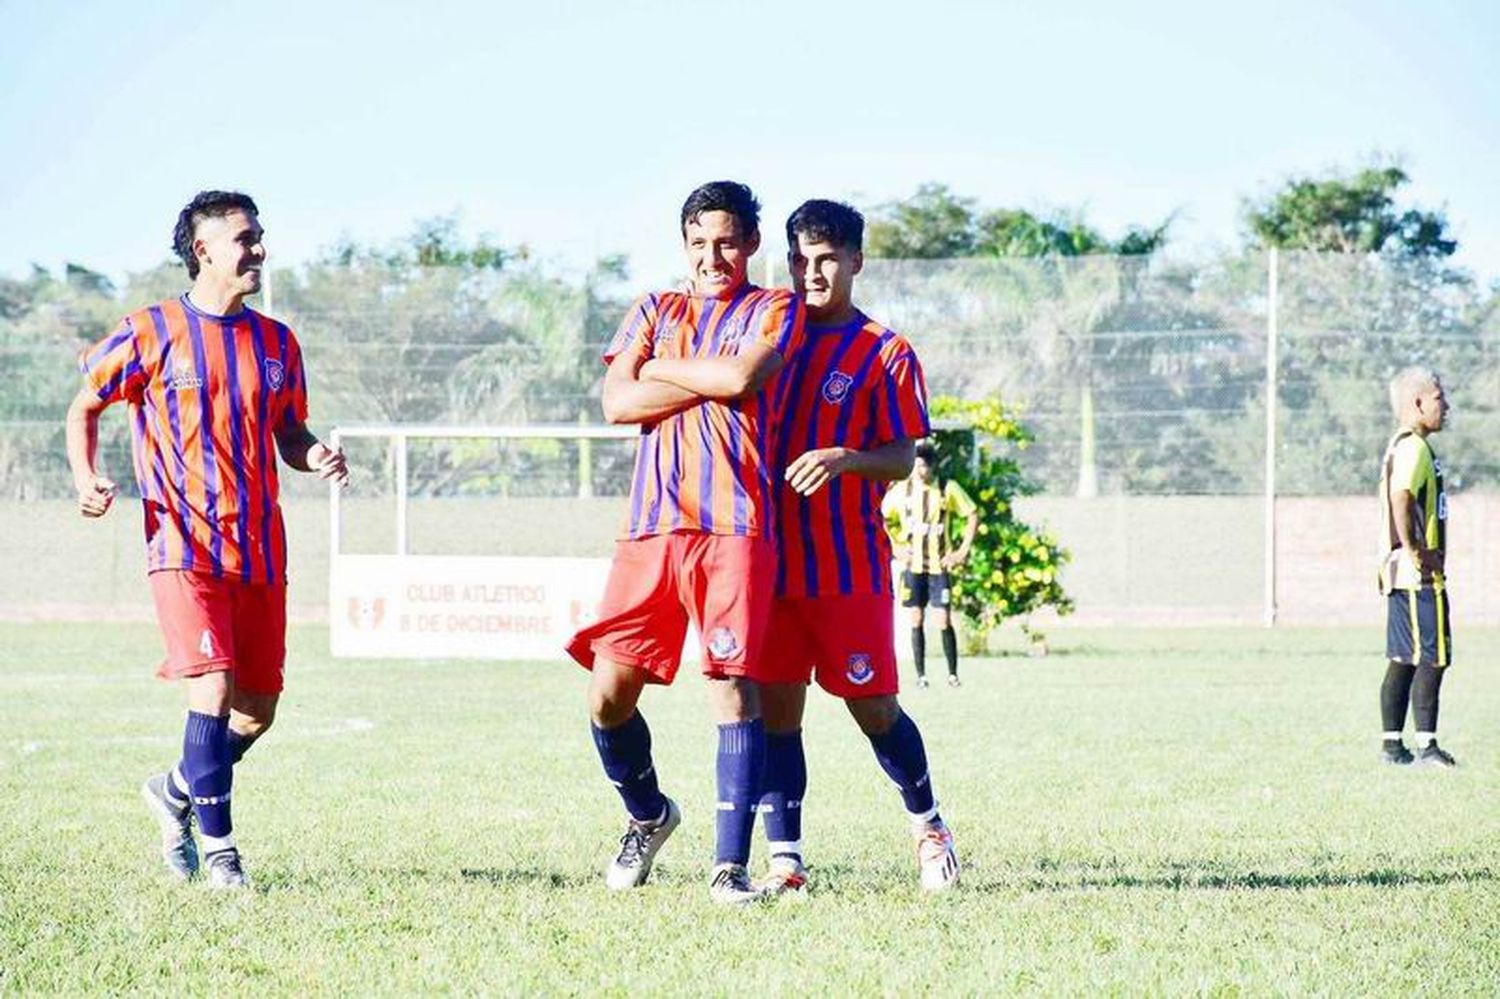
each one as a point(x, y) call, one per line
point(1145, 383)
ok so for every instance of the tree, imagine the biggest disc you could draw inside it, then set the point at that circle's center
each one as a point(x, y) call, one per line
point(1365, 289)
point(1348, 214)
point(1013, 568)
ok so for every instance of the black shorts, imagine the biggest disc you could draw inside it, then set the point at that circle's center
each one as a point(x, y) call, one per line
point(1417, 629)
point(922, 589)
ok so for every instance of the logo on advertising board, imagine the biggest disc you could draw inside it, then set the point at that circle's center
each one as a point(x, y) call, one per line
point(366, 613)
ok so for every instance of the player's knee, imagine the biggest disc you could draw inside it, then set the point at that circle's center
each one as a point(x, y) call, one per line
point(875, 715)
point(781, 706)
point(736, 699)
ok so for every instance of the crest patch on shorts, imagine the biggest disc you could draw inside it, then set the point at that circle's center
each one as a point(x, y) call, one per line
point(860, 670)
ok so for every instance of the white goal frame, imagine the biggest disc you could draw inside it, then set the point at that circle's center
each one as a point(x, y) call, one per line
point(371, 610)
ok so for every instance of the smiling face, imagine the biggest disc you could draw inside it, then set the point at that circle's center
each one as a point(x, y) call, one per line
point(230, 252)
point(823, 274)
point(718, 253)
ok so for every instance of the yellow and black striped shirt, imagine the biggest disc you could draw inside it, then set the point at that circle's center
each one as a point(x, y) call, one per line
point(1410, 464)
point(919, 514)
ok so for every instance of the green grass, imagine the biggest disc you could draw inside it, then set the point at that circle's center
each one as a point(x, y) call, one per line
point(1144, 811)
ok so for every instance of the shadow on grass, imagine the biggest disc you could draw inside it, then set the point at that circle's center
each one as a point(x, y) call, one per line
point(519, 877)
point(1212, 880)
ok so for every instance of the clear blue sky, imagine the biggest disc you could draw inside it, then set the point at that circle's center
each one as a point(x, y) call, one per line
point(578, 127)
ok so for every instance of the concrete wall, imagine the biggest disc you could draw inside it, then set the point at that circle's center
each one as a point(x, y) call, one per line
point(1157, 560)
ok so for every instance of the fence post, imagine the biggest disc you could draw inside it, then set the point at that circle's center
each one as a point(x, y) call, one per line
point(1272, 334)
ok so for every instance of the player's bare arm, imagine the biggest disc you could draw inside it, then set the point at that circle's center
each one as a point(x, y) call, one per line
point(1403, 506)
point(718, 378)
point(959, 555)
point(628, 398)
point(889, 462)
point(301, 449)
point(95, 492)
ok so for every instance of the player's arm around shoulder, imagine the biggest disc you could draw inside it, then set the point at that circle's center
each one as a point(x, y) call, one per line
point(300, 449)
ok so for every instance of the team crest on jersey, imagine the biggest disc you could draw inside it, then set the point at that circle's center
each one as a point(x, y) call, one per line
point(185, 376)
point(836, 387)
point(860, 670)
point(735, 332)
point(275, 374)
point(722, 644)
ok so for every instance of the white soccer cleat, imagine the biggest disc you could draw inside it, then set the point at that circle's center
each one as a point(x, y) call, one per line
point(178, 850)
point(730, 885)
point(936, 857)
point(786, 876)
point(225, 871)
point(638, 847)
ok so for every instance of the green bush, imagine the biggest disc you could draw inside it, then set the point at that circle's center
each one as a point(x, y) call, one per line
point(1013, 568)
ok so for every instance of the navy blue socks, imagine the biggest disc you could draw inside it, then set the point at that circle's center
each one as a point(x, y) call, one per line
point(625, 752)
point(209, 773)
point(904, 760)
point(781, 801)
point(741, 762)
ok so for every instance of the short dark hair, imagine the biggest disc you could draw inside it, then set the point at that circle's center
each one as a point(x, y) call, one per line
point(205, 205)
point(723, 196)
point(927, 451)
point(824, 221)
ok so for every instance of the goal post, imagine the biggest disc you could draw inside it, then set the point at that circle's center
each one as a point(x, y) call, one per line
point(465, 594)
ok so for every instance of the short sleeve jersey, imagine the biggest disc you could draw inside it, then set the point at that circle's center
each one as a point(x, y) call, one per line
point(922, 512)
point(205, 394)
point(1410, 464)
point(707, 469)
point(857, 385)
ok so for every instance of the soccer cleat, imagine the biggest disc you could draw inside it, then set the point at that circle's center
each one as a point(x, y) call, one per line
point(921, 683)
point(178, 849)
point(1431, 756)
point(1396, 755)
point(730, 885)
point(936, 858)
point(953, 680)
point(787, 876)
point(225, 870)
point(632, 865)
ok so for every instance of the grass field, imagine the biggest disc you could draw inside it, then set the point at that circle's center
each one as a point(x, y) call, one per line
point(1143, 811)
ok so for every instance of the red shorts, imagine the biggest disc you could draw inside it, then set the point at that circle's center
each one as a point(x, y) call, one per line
point(722, 583)
point(212, 625)
point(848, 643)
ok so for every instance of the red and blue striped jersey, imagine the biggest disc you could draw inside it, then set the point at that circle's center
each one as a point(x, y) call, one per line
point(857, 385)
point(708, 469)
point(205, 395)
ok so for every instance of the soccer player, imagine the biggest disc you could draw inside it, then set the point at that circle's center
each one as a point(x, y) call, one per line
point(922, 509)
point(695, 370)
point(1418, 642)
point(854, 405)
point(211, 387)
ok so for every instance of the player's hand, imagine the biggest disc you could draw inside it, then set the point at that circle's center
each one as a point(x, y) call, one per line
point(329, 464)
point(813, 469)
point(95, 497)
point(953, 560)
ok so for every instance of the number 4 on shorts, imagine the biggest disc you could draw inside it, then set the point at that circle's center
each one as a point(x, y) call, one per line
point(206, 645)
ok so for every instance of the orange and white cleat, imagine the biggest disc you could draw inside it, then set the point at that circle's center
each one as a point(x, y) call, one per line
point(786, 876)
